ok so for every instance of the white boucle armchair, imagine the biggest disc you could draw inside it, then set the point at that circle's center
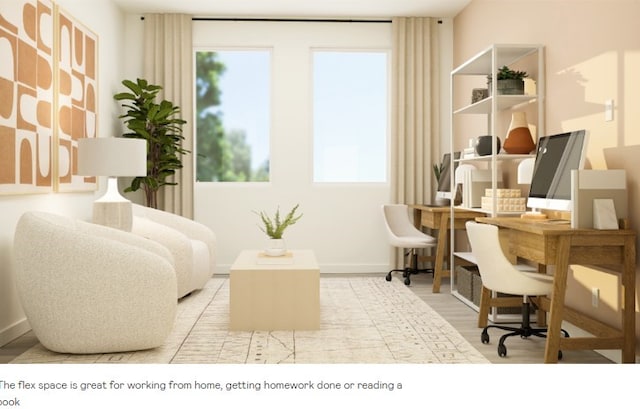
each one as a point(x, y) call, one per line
point(192, 244)
point(87, 288)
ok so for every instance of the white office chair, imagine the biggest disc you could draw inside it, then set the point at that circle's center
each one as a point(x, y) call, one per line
point(499, 275)
point(403, 234)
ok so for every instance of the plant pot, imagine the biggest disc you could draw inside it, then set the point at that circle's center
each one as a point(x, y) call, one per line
point(519, 139)
point(275, 248)
point(510, 87)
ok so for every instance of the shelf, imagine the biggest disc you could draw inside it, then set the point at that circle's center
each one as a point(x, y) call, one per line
point(503, 102)
point(466, 256)
point(500, 157)
point(506, 54)
point(487, 63)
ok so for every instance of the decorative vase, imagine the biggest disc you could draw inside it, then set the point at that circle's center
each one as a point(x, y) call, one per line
point(519, 139)
point(275, 248)
point(484, 146)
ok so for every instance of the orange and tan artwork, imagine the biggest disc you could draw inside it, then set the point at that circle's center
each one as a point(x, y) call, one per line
point(76, 104)
point(26, 96)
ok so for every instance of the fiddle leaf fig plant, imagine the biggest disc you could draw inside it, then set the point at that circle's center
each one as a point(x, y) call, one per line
point(160, 125)
point(275, 226)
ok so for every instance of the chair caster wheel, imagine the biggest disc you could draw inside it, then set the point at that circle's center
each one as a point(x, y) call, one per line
point(502, 351)
point(388, 277)
point(484, 337)
point(407, 281)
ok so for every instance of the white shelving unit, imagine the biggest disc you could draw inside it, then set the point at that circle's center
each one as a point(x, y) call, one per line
point(486, 63)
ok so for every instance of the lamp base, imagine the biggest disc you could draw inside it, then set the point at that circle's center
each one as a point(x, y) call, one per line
point(112, 209)
point(113, 214)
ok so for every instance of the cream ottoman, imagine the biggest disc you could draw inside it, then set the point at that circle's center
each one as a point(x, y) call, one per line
point(275, 293)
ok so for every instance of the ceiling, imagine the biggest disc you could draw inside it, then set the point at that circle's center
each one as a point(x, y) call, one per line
point(298, 8)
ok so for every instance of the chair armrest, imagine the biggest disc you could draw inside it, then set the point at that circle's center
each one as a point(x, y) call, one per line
point(125, 237)
point(74, 278)
point(177, 243)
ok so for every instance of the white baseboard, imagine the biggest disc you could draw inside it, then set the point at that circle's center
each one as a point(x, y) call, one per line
point(13, 331)
point(332, 269)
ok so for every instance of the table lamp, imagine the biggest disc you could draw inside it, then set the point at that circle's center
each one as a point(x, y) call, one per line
point(112, 157)
point(525, 171)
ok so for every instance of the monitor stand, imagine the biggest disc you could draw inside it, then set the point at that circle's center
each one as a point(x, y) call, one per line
point(533, 215)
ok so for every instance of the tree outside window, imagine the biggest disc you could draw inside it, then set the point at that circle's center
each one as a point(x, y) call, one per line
point(232, 112)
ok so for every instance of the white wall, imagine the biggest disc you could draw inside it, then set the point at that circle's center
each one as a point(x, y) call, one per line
point(105, 20)
point(342, 223)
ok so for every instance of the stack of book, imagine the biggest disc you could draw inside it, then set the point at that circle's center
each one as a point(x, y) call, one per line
point(469, 153)
point(507, 200)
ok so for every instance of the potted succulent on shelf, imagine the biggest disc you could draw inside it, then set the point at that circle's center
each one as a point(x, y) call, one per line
point(274, 228)
point(510, 82)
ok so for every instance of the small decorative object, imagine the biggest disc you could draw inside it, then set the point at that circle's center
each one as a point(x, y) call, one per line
point(519, 139)
point(274, 227)
point(484, 145)
point(478, 94)
point(510, 82)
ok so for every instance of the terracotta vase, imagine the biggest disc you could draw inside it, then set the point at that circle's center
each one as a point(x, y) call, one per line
point(519, 139)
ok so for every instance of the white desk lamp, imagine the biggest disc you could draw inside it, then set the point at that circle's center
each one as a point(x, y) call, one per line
point(112, 157)
point(525, 171)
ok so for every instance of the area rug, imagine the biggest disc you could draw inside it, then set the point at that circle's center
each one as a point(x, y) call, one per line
point(363, 320)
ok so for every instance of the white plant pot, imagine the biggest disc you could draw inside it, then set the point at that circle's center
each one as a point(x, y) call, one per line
point(275, 248)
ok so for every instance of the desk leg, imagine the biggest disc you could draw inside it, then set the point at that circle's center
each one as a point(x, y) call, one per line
point(629, 313)
point(440, 252)
point(557, 300)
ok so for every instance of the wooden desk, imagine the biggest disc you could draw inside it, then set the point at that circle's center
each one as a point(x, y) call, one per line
point(438, 218)
point(560, 246)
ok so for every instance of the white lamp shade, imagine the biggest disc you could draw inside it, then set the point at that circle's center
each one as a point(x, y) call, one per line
point(461, 171)
point(525, 171)
point(112, 157)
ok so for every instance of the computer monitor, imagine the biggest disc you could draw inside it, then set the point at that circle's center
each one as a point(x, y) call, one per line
point(444, 181)
point(556, 156)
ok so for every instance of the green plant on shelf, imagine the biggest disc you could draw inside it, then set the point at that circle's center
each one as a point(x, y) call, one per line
point(506, 73)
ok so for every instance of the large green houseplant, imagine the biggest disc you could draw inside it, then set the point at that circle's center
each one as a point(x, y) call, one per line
point(160, 125)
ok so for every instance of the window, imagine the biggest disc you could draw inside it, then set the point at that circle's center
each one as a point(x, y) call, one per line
point(350, 116)
point(232, 115)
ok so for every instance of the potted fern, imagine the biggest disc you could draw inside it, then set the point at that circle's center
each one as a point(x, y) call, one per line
point(510, 82)
point(274, 228)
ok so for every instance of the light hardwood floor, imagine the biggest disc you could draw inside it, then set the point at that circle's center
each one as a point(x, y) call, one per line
point(463, 318)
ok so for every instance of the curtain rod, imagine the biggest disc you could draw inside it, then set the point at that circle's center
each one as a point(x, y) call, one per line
point(294, 20)
point(330, 20)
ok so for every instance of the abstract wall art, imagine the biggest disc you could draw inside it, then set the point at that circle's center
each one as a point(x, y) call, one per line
point(48, 97)
point(76, 104)
point(26, 96)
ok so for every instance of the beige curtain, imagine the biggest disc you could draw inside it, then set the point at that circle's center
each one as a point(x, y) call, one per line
point(168, 61)
point(415, 108)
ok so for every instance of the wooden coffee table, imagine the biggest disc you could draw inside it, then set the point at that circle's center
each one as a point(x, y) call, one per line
point(275, 293)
